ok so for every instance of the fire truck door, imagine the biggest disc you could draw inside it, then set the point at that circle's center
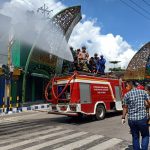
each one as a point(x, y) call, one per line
point(85, 94)
point(118, 98)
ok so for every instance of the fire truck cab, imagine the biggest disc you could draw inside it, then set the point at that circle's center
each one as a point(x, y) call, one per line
point(78, 94)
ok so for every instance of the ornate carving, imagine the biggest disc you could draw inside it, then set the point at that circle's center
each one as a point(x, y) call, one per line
point(67, 19)
point(139, 66)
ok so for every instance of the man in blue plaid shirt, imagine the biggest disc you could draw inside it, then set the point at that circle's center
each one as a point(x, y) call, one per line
point(134, 104)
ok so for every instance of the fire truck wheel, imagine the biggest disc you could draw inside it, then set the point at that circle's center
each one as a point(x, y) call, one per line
point(100, 112)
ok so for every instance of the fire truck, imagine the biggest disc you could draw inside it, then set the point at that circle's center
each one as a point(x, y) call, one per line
point(84, 94)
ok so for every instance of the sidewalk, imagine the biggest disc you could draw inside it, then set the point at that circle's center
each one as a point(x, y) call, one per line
point(25, 108)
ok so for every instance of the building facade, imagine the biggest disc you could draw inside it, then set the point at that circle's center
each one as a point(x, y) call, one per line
point(139, 66)
point(42, 65)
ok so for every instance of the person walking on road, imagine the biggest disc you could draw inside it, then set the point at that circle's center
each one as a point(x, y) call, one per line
point(134, 104)
point(147, 88)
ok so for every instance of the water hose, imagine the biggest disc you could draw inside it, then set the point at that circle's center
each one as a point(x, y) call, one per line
point(56, 97)
point(46, 92)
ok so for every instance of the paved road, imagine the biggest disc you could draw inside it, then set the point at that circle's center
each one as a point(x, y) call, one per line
point(39, 130)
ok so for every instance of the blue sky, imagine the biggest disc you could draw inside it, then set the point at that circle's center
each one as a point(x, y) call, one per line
point(115, 17)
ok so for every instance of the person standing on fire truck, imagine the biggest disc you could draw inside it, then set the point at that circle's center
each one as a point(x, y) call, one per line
point(83, 59)
point(96, 60)
point(101, 65)
point(134, 104)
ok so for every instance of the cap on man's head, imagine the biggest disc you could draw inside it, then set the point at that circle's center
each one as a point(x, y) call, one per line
point(71, 48)
point(95, 54)
point(83, 47)
point(132, 83)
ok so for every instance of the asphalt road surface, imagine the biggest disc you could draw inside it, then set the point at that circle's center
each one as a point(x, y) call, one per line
point(39, 130)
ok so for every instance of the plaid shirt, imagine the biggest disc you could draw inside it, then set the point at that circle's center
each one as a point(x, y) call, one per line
point(134, 99)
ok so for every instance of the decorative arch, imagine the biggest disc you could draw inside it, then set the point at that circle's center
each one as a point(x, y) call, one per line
point(139, 66)
point(67, 19)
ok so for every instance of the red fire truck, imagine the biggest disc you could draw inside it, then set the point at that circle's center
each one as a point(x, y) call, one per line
point(78, 94)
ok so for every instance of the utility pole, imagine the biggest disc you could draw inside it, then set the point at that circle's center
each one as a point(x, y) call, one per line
point(7, 69)
point(8, 84)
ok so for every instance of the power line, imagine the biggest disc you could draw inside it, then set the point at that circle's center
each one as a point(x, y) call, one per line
point(135, 10)
point(146, 2)
point(140, 7)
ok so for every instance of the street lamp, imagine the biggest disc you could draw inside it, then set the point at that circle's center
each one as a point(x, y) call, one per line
point(114, 62)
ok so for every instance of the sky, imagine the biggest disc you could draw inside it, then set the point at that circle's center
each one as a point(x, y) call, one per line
point(115, 17)
point(116, 29)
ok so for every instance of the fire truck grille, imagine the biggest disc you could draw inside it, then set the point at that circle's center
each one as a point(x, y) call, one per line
point(72, 107)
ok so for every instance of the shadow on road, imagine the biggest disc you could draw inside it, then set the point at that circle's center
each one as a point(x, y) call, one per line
point(113, 114)
point(73, 120)
point(82, 120)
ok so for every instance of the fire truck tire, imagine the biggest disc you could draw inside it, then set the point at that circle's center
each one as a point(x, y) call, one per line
point(100, 112)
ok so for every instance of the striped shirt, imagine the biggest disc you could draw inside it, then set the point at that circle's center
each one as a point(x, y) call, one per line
point(135, 100)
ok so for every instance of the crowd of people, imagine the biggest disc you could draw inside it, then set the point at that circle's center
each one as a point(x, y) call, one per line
point(82, 62)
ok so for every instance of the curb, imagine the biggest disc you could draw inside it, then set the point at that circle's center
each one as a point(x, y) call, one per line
point(25, 109)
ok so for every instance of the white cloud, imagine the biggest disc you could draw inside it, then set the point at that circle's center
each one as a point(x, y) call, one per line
point(16, 9)
point(113, 47)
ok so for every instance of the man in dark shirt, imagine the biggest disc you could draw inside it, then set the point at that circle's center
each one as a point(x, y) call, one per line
point(101, 65)
point(134, 105)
